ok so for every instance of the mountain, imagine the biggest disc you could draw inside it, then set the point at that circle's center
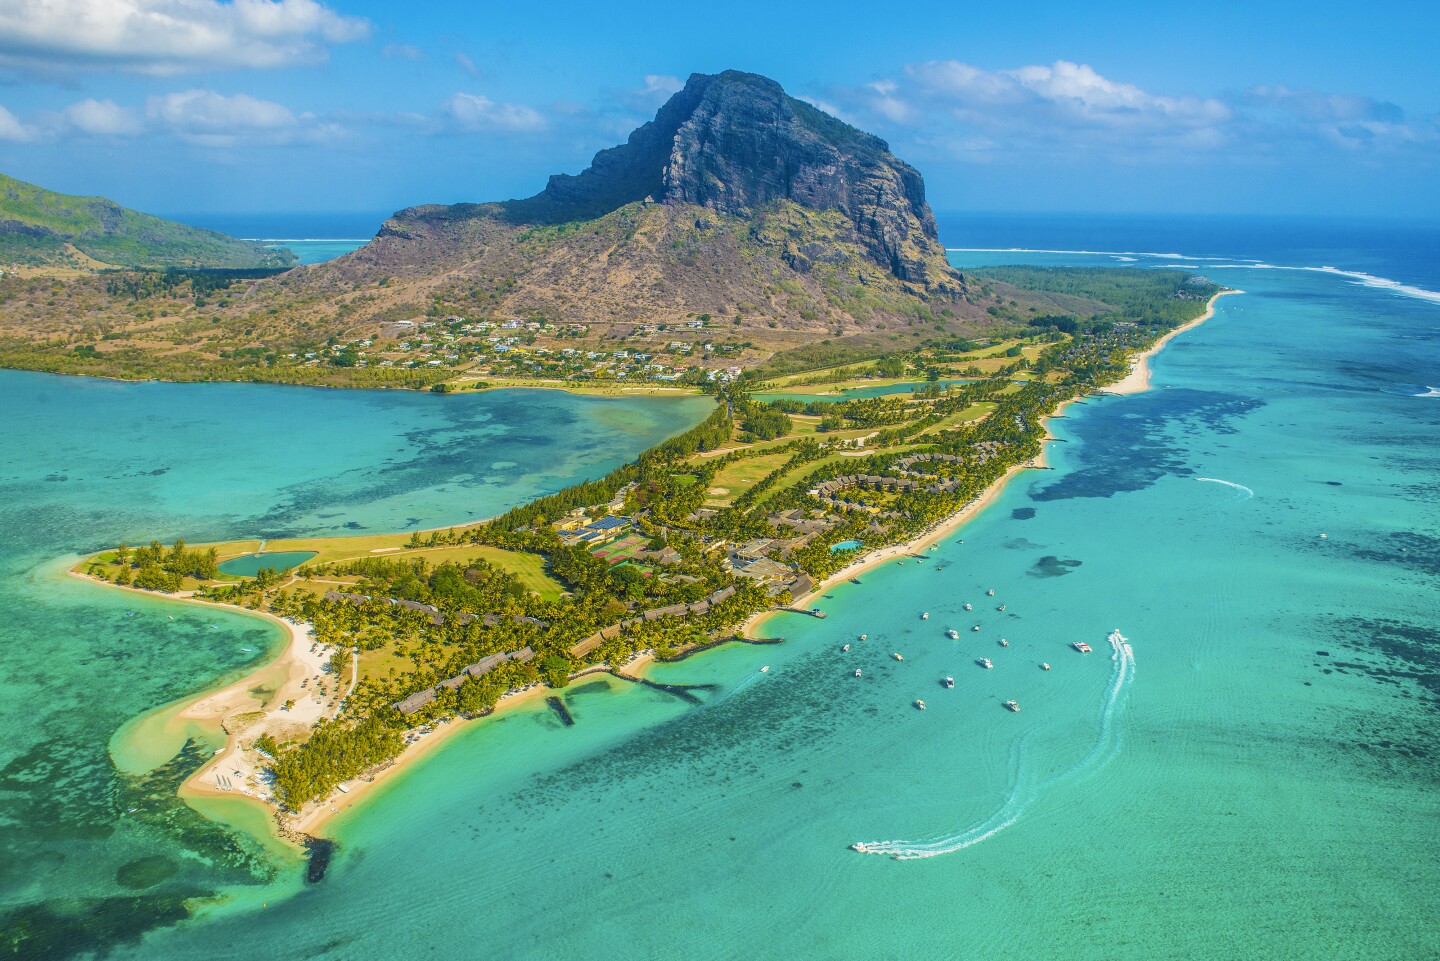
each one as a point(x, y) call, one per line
point(736, 201)
point(39, 226)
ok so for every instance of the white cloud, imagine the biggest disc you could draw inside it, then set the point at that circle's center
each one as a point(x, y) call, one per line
point(169, 36)
point(475, 112)
point(467, 65)
point(12, 129)
point(661, 87)
point(103, 118)
point(402, 51)
point(210, 119)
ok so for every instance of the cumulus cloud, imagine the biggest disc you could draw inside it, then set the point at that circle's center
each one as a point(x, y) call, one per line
point(12, 129)
point(471, 111)
point(211, 119)
point(169, 36)
point(103, 118)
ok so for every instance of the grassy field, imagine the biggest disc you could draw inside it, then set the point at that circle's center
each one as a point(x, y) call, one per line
point(529, 568)
point(741, 476)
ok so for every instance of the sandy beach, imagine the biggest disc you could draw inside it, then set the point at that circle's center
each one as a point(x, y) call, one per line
point(1138, 380)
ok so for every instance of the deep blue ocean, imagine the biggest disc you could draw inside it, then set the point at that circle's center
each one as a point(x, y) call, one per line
point(1254, 777)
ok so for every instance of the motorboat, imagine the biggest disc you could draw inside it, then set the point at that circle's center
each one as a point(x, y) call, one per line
point(925, 616)
point(1000, 608)
point(990, 593)
point(985, 663)
point(1004, 643)
point(953, 634)
point(1045, 667)
point(1081, 646)
point(864, 637)
point(1014, 706)
point(949, 681)
point(975, 628)
point(846, 648)
point(920, 705)
point(969, 607)
point(765, 669)
point(857, 673)
point(897, 656)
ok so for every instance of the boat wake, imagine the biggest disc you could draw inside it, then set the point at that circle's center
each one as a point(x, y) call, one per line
point(1239, 487)
point(1021, 794)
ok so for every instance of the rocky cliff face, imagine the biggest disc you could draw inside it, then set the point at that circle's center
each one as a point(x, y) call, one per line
point(737, 144)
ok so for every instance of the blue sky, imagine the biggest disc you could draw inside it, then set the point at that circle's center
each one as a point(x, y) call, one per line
point(184, 106)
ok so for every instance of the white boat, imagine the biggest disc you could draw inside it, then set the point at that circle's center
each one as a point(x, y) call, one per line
point(864, 637)
point(1000, 608)
point(1045, 667)
point(925, 616)
point(765, 669)
point(975, 628)
point(953, 634)
point(969, 607)
point(1116, 637)
point(860, 846)
point(1004, 643)
point(990, 593)
point(343, 789)
point(920, 705)
point(845, 648)
point(949, 681)
point(1014, 706)
point(857, 672)
point(897, 656)
point(1081, 646)
point(985, 663)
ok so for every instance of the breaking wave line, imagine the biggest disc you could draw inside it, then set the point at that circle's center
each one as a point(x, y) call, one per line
point(1107, 745)
point(1239, 487)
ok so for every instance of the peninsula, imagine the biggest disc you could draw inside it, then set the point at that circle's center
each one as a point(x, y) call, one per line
point(751, 512)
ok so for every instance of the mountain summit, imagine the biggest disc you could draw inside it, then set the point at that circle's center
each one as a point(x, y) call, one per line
point(735, 142)
point(736, 202)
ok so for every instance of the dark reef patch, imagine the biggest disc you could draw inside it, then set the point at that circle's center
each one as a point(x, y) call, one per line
point(1127, 445)
point(1052, 566)
point(1022, 513)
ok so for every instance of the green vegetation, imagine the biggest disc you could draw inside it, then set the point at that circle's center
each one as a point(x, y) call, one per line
point(39, 226)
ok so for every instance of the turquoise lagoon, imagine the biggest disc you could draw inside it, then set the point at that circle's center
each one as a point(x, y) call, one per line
point(92, 856)
point(1258, 782)
point(248, 565)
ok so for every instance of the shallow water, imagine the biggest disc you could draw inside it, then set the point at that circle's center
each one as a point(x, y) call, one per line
point(93, 855)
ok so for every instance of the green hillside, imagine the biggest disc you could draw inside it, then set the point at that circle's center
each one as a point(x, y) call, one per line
point(36, 225)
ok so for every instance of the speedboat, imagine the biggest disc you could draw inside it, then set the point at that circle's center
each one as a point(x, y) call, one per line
point(1045, 667)
point(1081, 646)
point(860, 846)
point(985, 663)
point(897, 656)
point(864, 637)
point(765, 669)
point(1004, 643)
point(969, 608)
point(990, 593)
point(1000, 608)
point(920, 705)
point(953, 634)
point(845, 648)
point(1116, 637)
point(975, 628)
point(1014, 706)
point(857, 672)
point(949, 681)
point(925, 616)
